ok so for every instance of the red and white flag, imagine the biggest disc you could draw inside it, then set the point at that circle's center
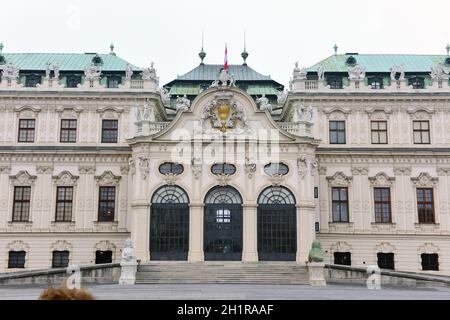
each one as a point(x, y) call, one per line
point(225, 62)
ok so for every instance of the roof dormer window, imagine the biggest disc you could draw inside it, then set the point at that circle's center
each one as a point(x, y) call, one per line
point(351, 61)
point(96, 60)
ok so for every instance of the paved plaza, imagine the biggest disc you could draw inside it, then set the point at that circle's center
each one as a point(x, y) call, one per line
point(238, 292)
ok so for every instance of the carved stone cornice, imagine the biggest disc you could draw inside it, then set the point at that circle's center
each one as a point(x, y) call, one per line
point(107, 178)
point(86, 169)
point(44, 169)
point(360, 170)
point(22, 178)
point(381, 179)
point(406, 171)
point(424, 180)
point(5, 169)
point(65, 178)
point(339, 179)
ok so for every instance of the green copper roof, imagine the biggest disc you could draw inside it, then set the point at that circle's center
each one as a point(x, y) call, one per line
point(210, 72)
point(65, 61)
point(381, 62)
point(261, 89)
point(192, 90)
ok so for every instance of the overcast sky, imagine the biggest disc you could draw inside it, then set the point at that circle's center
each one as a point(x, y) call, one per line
point(279, 32)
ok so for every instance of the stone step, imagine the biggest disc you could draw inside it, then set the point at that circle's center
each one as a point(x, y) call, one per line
point(222, 272)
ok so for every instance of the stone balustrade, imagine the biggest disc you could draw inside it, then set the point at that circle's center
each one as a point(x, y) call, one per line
point(299, 128)
point(359, 86)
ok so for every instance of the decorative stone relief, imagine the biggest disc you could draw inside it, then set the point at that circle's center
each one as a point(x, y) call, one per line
point(402, 171)
point(381, 179)
point(438, 73)
point(144, 167)
point(65, 178)
point(223, 114)
point(384, 247)
point(395, 70)
point(224, 79)
point(107, 178)
point(339, 179)
point(196, 166)
point(276, 179)
point(86, 169)
point(5, 169)
point(428, 247)
point(22, 178)
point(150, 73)
point(360, 170)
point(424, 180)
point(124, 169)
point(340, 246)
point(250, 167)
point(92, 73)
point(17, 245)
point(105, 245)
point(132, 166)
point(302, 166)
point(61, 245)
point(44, 169)
point(263, 103)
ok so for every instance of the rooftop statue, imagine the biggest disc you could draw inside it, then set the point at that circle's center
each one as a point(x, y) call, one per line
point(321, 72)
point(281, 97)
point(92, 73)
point(165, 95)
point(397, 69)
point(225, 79)
point(150, 73)
point(316, 253)
point(299, 73)
point(357, 73)
point(55, 71)
point(263, 103)
point(438, 73)
point(128, 72)
point(48, 70)
point(10, 72)
point(183, 103)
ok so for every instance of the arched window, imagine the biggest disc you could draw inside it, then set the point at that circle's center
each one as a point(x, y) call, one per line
point(170, 194)
point(417, 83)
point(276, 195)
point(376, 83)
point(276, 168)
point(171, 168)
point(169, 224)
point(219, 195)
point(223, 168)
point(276, 225)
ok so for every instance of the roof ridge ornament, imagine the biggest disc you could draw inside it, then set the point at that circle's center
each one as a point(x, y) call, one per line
point(244, 53)
point(202, 54)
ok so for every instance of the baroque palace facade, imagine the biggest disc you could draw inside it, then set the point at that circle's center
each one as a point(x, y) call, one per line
point(225, 164)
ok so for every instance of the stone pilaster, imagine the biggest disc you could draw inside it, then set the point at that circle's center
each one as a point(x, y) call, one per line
point(250, 243)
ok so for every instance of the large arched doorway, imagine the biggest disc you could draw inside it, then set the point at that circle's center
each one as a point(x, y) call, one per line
point(277, 225)
point(222, 236)
point(169, 224)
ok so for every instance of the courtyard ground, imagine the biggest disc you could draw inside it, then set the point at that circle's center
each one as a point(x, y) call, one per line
point(237, 292)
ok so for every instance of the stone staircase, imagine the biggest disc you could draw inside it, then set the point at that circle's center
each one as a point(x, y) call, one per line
point(222, 272)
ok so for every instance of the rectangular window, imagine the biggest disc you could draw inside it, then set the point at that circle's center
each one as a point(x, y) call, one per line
point(26, 130)
point(68, 130)
point(430, 261)
point(109, 131)
point(337, 132)
point(106, 203)
point(425, 205)
point(385, 260)
point(343, 258)
point(421, 132)
point(64, 199)
point(21, 205)
point(379, 132)
point(60, 259)
point(16, 259)
point(103, 257)
point(382, 203)
point(340, 204)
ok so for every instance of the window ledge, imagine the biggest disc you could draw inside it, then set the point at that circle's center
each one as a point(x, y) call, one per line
point(20, 222)
point(62, 222)
point(383, 224)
